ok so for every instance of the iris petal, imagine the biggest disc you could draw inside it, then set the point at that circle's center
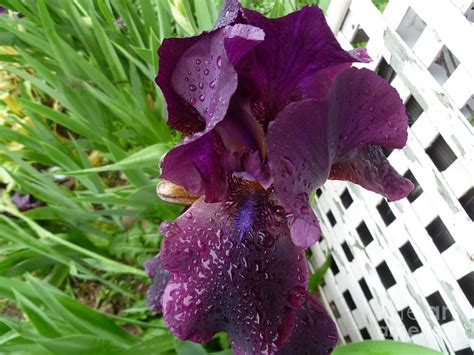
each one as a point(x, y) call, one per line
point(315, 332)
point(160, 279)
point(197, 76)
point(309, 137)
point(196, 165)
point(233, 270)
point(296, 47)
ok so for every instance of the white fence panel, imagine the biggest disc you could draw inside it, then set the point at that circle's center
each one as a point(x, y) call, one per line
point(405, 270)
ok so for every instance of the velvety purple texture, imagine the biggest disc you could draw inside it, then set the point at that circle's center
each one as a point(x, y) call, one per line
point(315, 332)
point(234, 268)
point(337, 137)
point(160, 278)
point(295, 49)
point(270, 109)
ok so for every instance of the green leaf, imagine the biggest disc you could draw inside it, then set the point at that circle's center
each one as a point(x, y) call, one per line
point(144, 158)
point(317, 277)
point(189, 348)
point(382, 347)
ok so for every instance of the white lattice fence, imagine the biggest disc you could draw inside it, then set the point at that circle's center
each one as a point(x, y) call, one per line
point(406, 269)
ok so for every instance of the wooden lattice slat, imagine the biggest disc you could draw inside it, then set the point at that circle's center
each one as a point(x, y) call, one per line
point(405, 269)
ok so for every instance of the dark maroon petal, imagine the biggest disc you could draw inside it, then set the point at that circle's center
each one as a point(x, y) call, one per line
point(371, 170)
point(309, 137)
point(314, 333)
point(160, 279)
point(365, 109)
point(197, 74)
point(202, 164)
point(295, 48)
point(229, 13)
point(234, 269)
point(196, 165)
point(181, 115)
point(299, 160)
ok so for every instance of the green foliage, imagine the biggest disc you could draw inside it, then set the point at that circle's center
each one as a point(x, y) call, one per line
point(317, 277)
point(382, 347)
point(82, 129)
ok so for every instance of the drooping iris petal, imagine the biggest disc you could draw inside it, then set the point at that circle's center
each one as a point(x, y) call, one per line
point(299, 161)
point(160, 279)
point(202, 165)
point(370, 169)
point(197, 74)
point(234, 269)
point(296, 47)
point(196, 165)
point(314, 333)
point(309, 137)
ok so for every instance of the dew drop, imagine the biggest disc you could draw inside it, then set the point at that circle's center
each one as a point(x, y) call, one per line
point(219, 61)
point(201, 85)
point(189, 215)
point(206, 71)
point(289, 166)
point(198, 61)
point(198, 69)
point(371, 108)
point(212, 84)
point(192, 87)
point(201, 98)
point(304, 210)
point(192, 100)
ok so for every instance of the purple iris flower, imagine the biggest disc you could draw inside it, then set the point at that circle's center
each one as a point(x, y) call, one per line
point(25, 202)
point(270, 109)
point(2, 10)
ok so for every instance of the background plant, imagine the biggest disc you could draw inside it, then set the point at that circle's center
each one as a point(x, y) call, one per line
point(82, 127)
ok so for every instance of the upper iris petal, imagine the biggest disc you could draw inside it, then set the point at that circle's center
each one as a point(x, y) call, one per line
point(342, 132)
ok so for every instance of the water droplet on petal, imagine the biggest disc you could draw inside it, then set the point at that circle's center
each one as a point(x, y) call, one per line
point(192, 87)
point(219, 61)
point(212, 84)
point(198, 61)
point(201, 85)
point(192, 100)
point(206, 71)
point(189, 215)
point(201, 98)
point(288, 165)
point(305, 210)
